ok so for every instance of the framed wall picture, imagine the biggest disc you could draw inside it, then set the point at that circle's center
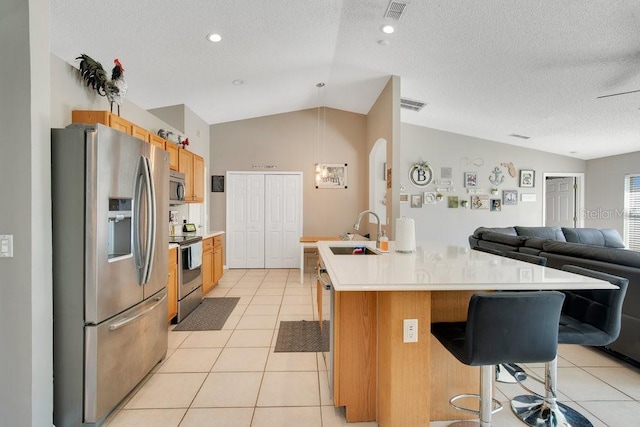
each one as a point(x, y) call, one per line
point(217, 183)
point(331, 175)
point(479, 202)
point(496, 205)
point(510, 197)
point(471, 179)
point(527, 178)
point(452, 202)
point(416, 200)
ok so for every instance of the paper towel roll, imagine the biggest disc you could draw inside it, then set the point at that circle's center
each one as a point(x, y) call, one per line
point(405, 235)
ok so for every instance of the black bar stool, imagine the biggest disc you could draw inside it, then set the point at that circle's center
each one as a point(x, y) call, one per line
point(510, 372)
point(502, 327)
point(589, 317)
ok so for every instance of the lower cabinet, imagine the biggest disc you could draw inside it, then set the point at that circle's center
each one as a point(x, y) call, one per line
point(207, 265)
point(212, 255)
point(172, 283)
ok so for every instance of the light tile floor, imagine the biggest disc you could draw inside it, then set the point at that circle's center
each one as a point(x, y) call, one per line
point(233, 378)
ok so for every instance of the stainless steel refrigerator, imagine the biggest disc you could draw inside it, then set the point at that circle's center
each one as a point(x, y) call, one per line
point(110, 248)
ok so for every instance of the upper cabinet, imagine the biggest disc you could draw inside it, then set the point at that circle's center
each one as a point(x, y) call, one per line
point(180, 159)
point(192, 166)
point(198, 179)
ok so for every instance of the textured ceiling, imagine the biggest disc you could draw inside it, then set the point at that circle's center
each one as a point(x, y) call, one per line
point(486, 68)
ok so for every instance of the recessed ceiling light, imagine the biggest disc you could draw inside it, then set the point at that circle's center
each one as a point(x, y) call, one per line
point(238, 82)
point(214, 37)
point(387, 29)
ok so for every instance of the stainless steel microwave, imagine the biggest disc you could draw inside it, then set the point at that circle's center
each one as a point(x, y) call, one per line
point(176, 188)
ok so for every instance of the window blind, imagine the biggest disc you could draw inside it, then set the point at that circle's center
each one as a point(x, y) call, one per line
point(632, 211)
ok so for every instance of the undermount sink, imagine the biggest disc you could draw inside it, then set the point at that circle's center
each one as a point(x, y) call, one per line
point(352, 250)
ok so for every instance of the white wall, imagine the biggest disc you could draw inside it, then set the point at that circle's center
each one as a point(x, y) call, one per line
point(26, 365)
point(445, 149)
point(605, 190)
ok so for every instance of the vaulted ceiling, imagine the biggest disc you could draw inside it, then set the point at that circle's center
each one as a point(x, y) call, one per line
point(489, 69)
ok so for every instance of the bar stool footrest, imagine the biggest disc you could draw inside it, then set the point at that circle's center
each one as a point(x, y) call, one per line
point(497, 406)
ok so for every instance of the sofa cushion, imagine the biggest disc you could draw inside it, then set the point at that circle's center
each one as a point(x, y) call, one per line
point(612, 238)
point(553, 233)
point(598, 253)
point(503, 238)
point(535, 242)
point(594, 236)
point(511, 231)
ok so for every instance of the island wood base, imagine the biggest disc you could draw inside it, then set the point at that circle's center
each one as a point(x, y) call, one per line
point(379, 378)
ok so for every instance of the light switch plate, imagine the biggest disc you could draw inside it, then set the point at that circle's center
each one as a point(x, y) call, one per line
point(6, 246)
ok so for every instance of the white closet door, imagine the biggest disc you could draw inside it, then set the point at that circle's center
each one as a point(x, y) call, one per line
point(292, 221)
point(274, 220)
point(283, 201)
point(255, 221)
point(236, 221)
point(245, 221)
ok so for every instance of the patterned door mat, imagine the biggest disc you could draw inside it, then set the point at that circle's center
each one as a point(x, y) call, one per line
point(210, 315)
point(302, 336)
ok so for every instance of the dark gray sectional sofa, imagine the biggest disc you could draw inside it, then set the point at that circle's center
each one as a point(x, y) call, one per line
point(597, 249)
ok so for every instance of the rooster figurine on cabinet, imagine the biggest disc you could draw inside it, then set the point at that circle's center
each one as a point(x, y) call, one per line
point(95, 75)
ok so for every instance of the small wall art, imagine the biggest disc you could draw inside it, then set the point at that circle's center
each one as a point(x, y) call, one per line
point(527, 178)
point(510, 197)
point(446, 173)
point(479, 202)
point(527, 197)
point(331, 175)
point(416, 200)
point(404, 197)
point(429, 198)
point(496, 205)
point(452, 202)
point(471, 179)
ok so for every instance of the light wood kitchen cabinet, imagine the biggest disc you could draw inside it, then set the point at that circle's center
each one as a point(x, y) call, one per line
point(172, 284)
point(172, 149)
point(212, 268)
point(141, 133)
point(198, 179)
point(104, 117)
point(156, 140)
point(192, 166)
point(185, 165)
point(218, 255)
point(207, 265)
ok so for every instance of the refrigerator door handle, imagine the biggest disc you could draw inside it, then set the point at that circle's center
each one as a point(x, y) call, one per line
point(150, 238)
point(137, 238)
point(124, 322)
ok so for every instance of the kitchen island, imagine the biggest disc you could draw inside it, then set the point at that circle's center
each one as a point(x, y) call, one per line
point(376, 375)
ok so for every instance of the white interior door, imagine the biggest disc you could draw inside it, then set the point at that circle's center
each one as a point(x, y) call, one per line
point(255, 221)
point(560, 202)
point(274, 220)
point(264, 220)
point(245, 220)
point(283, 224)
point(292, 221)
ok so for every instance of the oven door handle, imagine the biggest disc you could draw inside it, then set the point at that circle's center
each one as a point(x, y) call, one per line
point(319, 272)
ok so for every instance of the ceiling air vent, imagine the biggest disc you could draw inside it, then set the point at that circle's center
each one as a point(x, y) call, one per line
point(515, 135)
point(411, 104)
point(395, 9)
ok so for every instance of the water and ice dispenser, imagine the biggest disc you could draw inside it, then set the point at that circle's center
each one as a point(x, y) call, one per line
point(120, 228)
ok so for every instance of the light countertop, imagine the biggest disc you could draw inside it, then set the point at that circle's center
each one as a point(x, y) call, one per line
point(441, 267)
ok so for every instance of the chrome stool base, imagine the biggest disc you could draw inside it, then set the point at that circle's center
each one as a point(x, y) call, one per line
point(537, 412)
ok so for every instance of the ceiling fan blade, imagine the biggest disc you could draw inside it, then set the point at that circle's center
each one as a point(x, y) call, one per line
point(616, 94)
